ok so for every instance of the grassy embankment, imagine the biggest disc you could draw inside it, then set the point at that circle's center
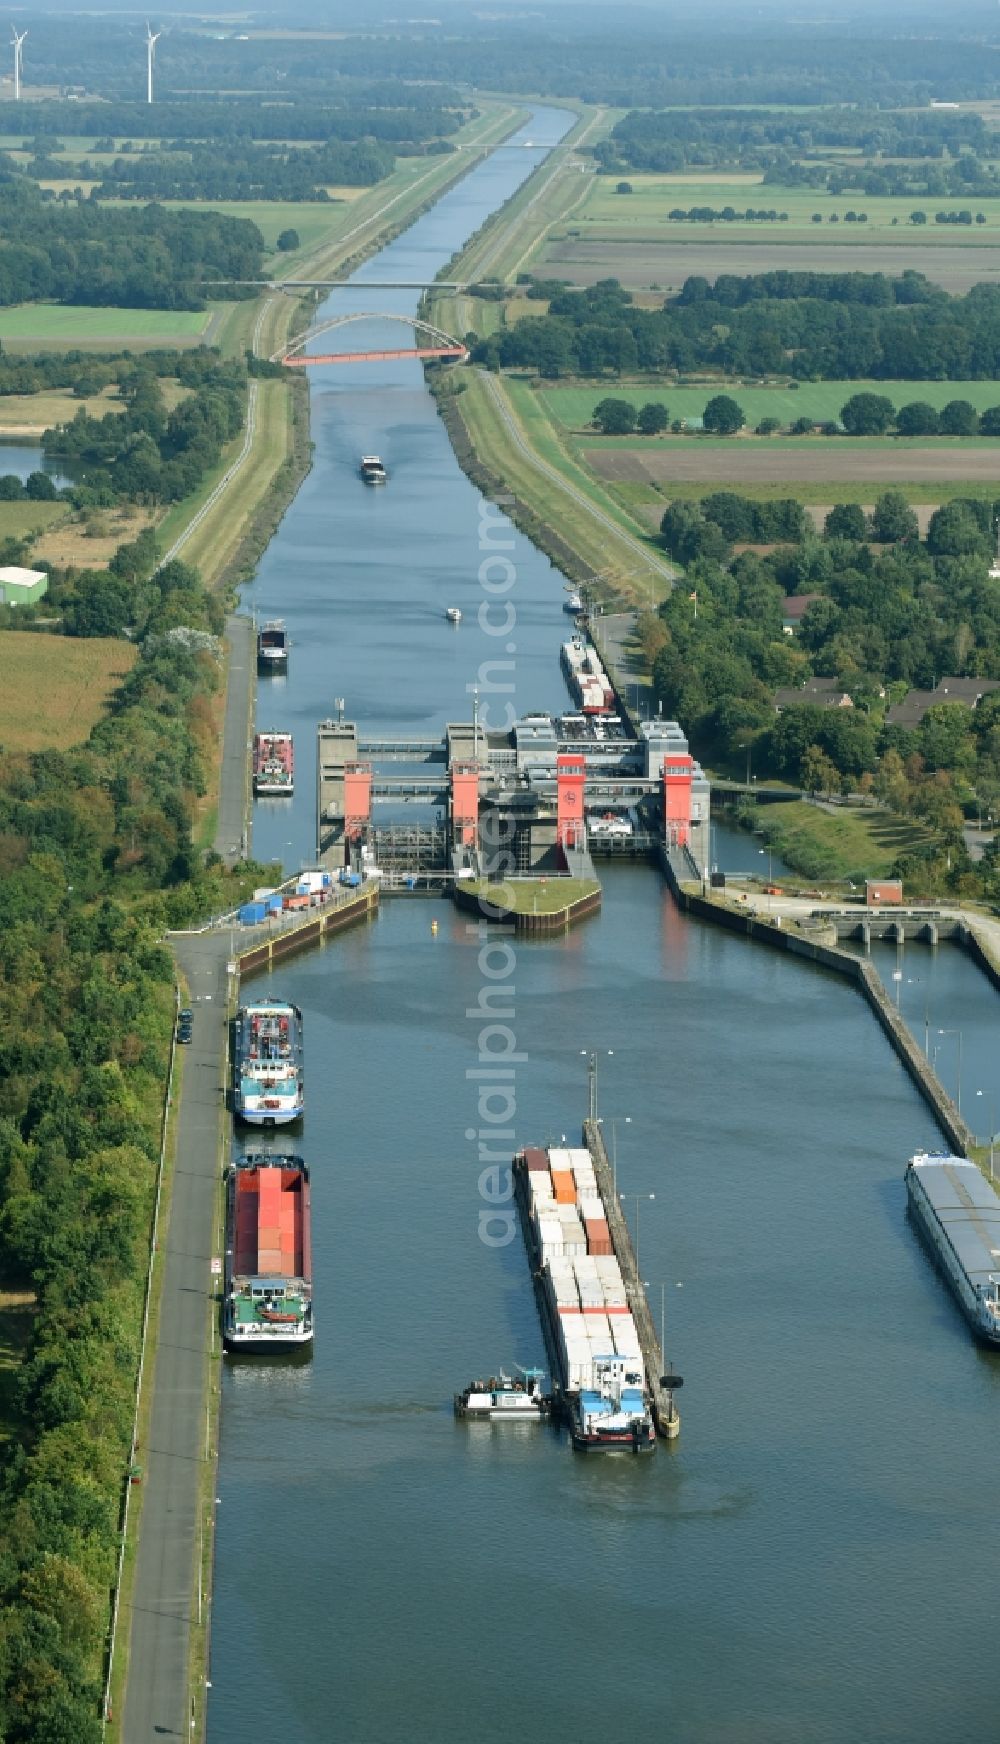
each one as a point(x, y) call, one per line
point(838, 844)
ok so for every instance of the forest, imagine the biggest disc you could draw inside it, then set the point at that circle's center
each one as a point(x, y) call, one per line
point(243, 172)
point(80, 252)
point(812, 326)
point(666, 141)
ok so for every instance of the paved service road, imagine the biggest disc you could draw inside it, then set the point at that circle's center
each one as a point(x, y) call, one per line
point(232, 830)
point(156, 1697)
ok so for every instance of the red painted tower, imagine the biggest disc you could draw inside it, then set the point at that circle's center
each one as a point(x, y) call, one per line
point(678, 774)
point(571, 776)
point(357, 799)
point(465, 804)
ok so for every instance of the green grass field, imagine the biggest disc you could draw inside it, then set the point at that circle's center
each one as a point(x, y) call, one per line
point(805, 491)
point(839, 844)
point(573, 406)
point(534, 895)
point(20, 520)
point(653, 197)
point(41, 324)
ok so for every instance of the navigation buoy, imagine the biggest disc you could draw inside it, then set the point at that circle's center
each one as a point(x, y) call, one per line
point(434, 926)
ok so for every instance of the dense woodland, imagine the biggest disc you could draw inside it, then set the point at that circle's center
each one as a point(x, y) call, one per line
point(812, 326)
point(96, 858)
point(665, 141)
point(79, 252)
point(892, 612)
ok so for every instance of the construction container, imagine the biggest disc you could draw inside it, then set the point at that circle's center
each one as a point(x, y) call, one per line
point(536, 1161)
point(598, 1236)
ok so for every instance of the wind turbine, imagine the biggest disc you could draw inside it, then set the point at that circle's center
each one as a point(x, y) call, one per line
point(151, 42)
point(17, 41)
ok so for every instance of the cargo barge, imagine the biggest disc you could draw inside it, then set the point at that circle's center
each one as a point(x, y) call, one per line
point(268, 1083)
point(593, 1342)
point(268, 1278)
point(273, 764)
point(958, 1215)
point(591, 687)
point(272, 646)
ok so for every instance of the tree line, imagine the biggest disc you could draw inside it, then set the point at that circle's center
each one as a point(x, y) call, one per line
point(79, 252)
point(665, 141)
point(402, 116)
point(810, 326)
point(247, 172)
point(97, 859)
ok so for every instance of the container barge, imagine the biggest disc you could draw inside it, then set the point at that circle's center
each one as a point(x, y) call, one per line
point(268, 1278)
point(273, 764)
point(586, 677)
point(268, 1083)
point(592, 1338)
point(272, 646)
point(958, 1215)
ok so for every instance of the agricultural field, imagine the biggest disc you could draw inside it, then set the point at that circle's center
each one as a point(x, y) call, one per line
point(630, 237)
point(56, 687)
point(41, 326)
point(573, 407)
point(664, 262)
point(734, 464)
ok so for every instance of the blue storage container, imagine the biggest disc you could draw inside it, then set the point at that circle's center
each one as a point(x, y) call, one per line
point(275, 904)
point(252, 913)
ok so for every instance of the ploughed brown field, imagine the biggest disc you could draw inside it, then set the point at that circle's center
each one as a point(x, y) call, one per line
point(750, 463)
point(667, 262)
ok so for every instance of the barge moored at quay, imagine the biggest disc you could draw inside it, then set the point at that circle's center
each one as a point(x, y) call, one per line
point(273, 765)
point(958, 1214)
point(272, 646)
point(268, 1281)
point(594, 1345)
point(268, 1079)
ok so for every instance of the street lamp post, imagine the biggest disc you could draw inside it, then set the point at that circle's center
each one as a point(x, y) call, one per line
point(770, 880)
point(635, 1198)
point(958, 1033)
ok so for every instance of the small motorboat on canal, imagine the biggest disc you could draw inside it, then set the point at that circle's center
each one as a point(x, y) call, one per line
point(453, 615)
point(502, 1399)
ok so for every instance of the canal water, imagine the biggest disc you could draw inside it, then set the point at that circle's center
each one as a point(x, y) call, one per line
point(814, 1559)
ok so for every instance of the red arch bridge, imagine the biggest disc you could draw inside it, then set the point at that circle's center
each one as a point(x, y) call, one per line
point(437, 343)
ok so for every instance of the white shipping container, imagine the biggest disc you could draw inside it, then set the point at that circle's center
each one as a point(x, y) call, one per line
point(614, 1295)
point(587, 1267)
point(559, 1160)
point(591, 1293)
point(579, 1154)
point(608, 1268)
point(591, 1205)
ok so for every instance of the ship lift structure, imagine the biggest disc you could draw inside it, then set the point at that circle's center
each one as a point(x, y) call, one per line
point(441, 345)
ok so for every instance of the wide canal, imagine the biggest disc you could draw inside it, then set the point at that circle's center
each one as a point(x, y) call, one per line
point(814, 1559)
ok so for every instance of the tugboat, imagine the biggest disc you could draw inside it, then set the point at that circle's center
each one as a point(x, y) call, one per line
point(371, 469)
point(272, 646)
point(453, 615)
point(502, 1399)
point(612, 1416)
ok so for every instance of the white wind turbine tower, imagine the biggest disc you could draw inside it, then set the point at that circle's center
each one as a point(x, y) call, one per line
point(151, 42)
point(17, 40)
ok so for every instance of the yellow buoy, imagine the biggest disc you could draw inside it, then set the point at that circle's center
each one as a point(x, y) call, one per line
point(434, 926)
